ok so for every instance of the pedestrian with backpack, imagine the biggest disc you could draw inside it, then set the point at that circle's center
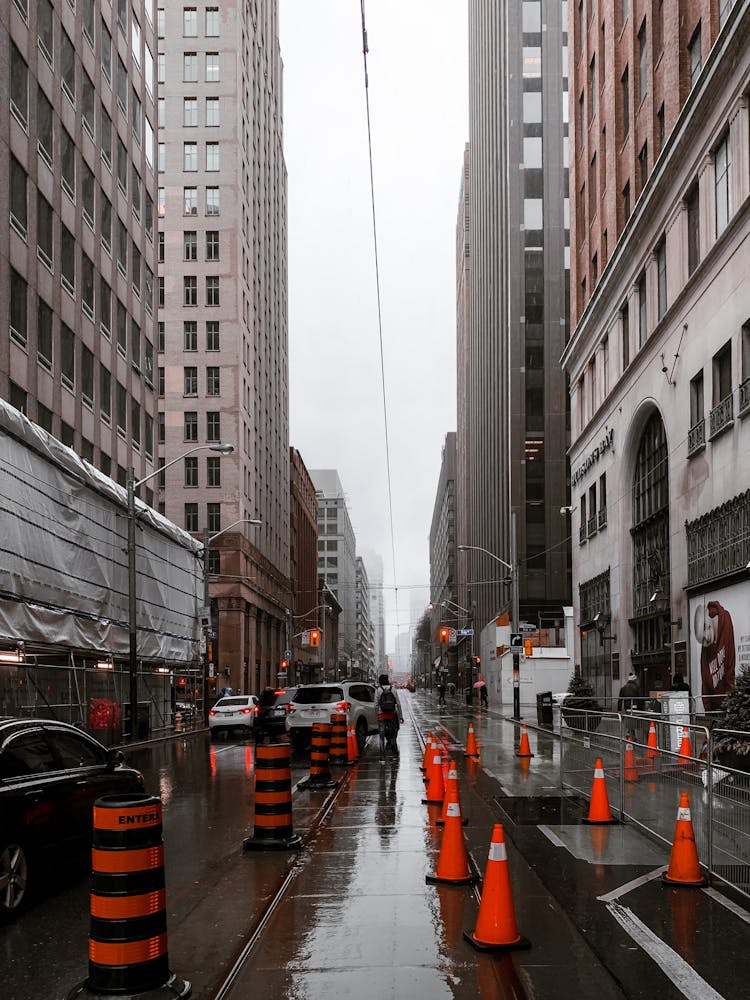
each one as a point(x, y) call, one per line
point(390, 716)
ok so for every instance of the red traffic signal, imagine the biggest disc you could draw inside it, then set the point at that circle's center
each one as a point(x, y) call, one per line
point(445, 634)
point(284, 664)
point(314, 636)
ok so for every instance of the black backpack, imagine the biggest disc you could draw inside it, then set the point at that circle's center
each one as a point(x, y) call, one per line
point(387, 701)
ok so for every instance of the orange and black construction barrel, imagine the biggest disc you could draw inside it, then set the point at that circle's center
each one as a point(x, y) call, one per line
point(128, 930)
point(338, 753)
point(274, 830)
point(320, 772)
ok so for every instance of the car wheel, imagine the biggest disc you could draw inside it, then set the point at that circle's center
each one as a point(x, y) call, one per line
point(361, 732)
point(14, 877)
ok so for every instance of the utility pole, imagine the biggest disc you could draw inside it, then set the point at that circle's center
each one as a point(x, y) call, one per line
point(132, 633)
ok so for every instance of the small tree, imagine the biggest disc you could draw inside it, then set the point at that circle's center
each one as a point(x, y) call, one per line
point(581, 699)
point(736, 716)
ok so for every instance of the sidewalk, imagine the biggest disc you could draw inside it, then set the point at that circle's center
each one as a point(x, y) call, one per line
point(360, 921)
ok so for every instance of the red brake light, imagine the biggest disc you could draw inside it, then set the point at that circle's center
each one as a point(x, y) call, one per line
point(246, 711)
point(343, 706)
point(212, 712)
point(282, 691)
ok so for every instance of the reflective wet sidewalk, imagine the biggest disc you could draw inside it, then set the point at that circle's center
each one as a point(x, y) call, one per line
point(359, 920)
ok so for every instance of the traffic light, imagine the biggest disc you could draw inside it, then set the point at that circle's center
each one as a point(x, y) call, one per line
point(314, 636)
point(284, 664)
point(444, 635)
point(528, 645)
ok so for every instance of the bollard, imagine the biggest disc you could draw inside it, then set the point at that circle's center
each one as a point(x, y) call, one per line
point(128, 930)
point(274, 830)
point(338, 753)
point(320, 773)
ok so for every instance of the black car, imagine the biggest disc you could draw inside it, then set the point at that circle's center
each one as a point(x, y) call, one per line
point(273, 705)
point(50, 775)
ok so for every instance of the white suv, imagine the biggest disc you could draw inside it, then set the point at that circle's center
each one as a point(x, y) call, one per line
point(316, 703)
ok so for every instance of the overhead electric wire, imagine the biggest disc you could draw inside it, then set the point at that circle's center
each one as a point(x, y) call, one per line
point(365, 50)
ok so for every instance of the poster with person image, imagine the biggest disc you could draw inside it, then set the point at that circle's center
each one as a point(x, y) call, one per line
point(719, 643)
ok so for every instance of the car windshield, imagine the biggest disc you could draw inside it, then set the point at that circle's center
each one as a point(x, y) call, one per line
point(244, 700)
point(318, 695)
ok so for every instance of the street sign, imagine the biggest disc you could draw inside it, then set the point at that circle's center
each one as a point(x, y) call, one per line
point(516, 642)
point(465, 631)
point(527, 627)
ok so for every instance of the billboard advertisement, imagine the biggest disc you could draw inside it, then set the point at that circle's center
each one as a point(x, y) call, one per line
point(719, 642)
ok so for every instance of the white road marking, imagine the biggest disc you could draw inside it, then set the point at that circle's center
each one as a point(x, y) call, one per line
point(736, 910)
point(685, 978)
point(633, 884)
point(552, 836)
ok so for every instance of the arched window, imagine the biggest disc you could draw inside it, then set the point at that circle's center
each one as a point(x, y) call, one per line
point(650, 534)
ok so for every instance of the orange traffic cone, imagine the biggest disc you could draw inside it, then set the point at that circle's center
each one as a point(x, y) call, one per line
point(352, 747)
point(684, 867)
point(435, 789)
point(599, 811)
point(453, 861)
point(496, 922)
point(451, 795)
point(471, 743)
point(631, 770)
point(426, 754)
point(524, 750)
point(686, 751)
point(432, 748)
point(652, 747)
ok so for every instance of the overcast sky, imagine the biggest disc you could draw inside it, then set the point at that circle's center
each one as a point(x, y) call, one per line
point(417, 65)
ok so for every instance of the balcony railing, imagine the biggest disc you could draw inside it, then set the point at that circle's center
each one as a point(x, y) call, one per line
point(722, 415)
point(591, 527)
point(697, 437)
point(601, 518)
point(582, 536)
point(744, 396)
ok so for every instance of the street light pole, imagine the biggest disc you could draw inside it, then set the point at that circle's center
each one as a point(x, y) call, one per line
point(132, 485)
point(512, 568)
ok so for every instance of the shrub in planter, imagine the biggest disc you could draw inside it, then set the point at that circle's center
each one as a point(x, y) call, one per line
point(734, 750)
point(581, 698)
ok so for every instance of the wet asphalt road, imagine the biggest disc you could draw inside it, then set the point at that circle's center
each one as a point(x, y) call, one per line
point(356, 917)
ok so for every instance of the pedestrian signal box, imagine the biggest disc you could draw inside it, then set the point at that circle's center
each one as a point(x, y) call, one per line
point(445, 634)
point(528, 645)
point(314, 636)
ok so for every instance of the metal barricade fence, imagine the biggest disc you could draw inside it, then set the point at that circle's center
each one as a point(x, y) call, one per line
point(684, 761)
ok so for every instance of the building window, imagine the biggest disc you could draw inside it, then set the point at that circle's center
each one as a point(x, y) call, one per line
point(161, 67)
point(213, 116)
point(693, 228)
point(190, 156)
point(212, 335)
point(191, 381)
point(593, 88)
point(189, 290)
point(68, 259)
point(44, 229)
point(44, 118)
point(212, 244)
point(18, 307)
point(593, 194)
point(625, 326)
point(625, 92)
point(658, 23)
point(190, 67)
point(660, 128)
point(160, 381)
point(722, 168)
point(694, 55)
point(213, 523)
point(643, 165)
point(190, 200)
point(190, 335)
point(191, 471)
point(189, 22)
point(190, 245)
point(642, 318)
point(697, 432)
point(191, 517)
point(67, 356)
point(212, 156)
point(642, 62)
point(213, 384)
point(626, 201)
point(191, 425)
point(68, 68)
point(44, 31)
point(212, 67)
point(661, 269)
point(44, 334)
point(18, 199)
point(68, 155)
point(212, 22)
point(213, 426)
point(212, 201)
point(212, 290)
point(213, 471)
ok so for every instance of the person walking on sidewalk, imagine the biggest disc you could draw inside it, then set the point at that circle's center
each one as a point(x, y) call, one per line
point(441, 693)
point(390, 716)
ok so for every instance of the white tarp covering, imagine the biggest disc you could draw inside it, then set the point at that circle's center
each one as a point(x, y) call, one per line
point(63, 556)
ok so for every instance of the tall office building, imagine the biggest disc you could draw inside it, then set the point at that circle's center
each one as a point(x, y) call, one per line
point(516, 403)
point(223, 366)
point(363, 650)
point(374, 566)
point(659, 361)
point(337, 558)
point(78, 259)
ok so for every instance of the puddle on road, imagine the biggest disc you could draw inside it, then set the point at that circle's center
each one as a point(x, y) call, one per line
point(543, 809)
